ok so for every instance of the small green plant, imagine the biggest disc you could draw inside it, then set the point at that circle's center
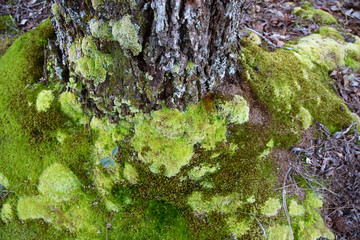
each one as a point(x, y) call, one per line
point(109, 160)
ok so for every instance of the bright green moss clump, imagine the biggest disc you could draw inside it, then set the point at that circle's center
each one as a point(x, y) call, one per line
point(4, 181)
point(71, 107)
point(294, 84)
point(60, 202)
point(89, 62)
point(271, 207)
point(33, 208)
point(328, 50)
point(295, 209)
point(44, 100)
point(199, 171)
point(100, 29)
point(279, 232)
point(218, 203)
point(58, 183)
point(319, 16)
point(130, 173)
point(7, 213)
point(237, 110)
point(168, 136)
point(124, 31)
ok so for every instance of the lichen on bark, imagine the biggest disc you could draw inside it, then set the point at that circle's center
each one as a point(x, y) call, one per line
point(168, 51)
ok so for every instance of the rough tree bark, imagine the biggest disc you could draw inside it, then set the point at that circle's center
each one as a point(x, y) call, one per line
point(136, 54)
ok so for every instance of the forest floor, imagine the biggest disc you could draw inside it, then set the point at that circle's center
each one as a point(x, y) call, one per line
point(333, 158)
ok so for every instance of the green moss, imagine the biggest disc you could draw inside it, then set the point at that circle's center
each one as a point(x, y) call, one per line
point(88, 46)
point(236, 110)
point(7, 214)
point(218, 203)
point(238, 227)
point(130, 173)
point(295, 209)
point(107, 137)
point(254, 38)
point(56, 10)
point(29, 141)
point(271, 207)
point(154, 220)
point(33, 208)
point(6, 24)
point(190, 66)
point(319, 16)
point(4, 181)
point(5, 42)
point(44, 100)
point(330, 32)
point(100, 29)
point(309, 223)
point(58, 183)
point(92, 64)
point(108, 134)
point(71, 107)
point(60, 136)
point(167, 137)
point(198, 172)
point(61, 202)
point(124, 31)
point(327, 49)
point(279, 232)
point(92, 69)
point(289, 82)
point(305, 118)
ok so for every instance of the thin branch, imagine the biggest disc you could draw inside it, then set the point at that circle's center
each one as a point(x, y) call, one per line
point(261, 226)
point(285, 207)
point(59, 213)
point(267, 40)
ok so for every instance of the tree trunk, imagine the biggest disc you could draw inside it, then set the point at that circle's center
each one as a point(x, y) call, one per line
point(128, 55)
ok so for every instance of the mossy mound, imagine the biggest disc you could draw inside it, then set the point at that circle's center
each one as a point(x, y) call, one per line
point(316, 15)
point(203, 173)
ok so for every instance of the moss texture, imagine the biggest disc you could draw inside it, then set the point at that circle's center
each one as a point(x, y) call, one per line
point(125, 32)
point(317, 15)
point(167, 137)
point(44, 100)
point(7, 214)
point(202, 173)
